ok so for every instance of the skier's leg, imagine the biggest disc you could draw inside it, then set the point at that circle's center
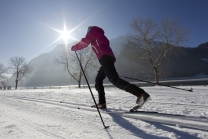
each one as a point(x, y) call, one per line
point(99, 85)
point(108, 67)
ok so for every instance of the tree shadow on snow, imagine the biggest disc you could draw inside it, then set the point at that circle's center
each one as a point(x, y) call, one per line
point(132, 128)
point(182, 134)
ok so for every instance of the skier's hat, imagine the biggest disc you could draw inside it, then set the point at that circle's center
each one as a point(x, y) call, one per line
point(89, 28)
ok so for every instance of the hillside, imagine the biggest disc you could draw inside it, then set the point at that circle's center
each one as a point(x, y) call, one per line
point(181, 63)
point(48, 73)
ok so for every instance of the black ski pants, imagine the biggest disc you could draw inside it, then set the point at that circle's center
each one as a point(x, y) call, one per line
point(108, 69)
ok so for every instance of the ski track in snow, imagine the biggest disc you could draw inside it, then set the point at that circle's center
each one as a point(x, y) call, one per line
point(31, 114)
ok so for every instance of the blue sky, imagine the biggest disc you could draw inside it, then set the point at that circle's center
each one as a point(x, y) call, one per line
point(25, 25)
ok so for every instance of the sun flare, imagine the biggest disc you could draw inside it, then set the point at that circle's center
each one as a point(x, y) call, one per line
point(65, 35)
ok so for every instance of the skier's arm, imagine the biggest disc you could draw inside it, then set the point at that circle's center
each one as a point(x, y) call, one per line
point(83, 43)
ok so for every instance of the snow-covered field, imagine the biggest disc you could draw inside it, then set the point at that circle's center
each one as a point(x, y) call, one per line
point(38, 114)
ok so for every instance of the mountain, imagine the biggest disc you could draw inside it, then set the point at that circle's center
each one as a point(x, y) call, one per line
point(48, 73)
point(118, 44)
point(181, 62)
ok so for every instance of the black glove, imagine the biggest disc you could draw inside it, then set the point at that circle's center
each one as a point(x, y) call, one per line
point(72, 48)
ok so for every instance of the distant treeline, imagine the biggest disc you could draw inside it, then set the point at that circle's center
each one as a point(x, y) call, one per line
point(182, 62)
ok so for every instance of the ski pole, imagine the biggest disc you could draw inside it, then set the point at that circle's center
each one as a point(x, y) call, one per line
point(91, 92)
point(190, 90)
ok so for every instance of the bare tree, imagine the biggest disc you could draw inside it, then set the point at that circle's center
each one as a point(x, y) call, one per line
point(154, 41)
point(69, 60)
point(3, 71)
point(19, 68)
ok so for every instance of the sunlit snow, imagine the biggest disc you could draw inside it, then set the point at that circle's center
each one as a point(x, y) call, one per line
point(38, 114)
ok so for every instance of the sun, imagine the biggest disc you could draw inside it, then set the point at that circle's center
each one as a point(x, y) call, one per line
point(65, 35)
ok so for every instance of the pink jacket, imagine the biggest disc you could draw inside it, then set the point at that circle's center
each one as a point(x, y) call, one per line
point(99, 42)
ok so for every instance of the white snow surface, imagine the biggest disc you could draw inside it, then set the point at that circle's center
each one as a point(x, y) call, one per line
point(38, 114)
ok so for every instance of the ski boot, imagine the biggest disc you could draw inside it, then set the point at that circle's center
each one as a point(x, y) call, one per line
point(100, 106)
point(141, 101)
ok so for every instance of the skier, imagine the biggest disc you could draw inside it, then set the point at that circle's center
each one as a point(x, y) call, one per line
point(100, 45)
